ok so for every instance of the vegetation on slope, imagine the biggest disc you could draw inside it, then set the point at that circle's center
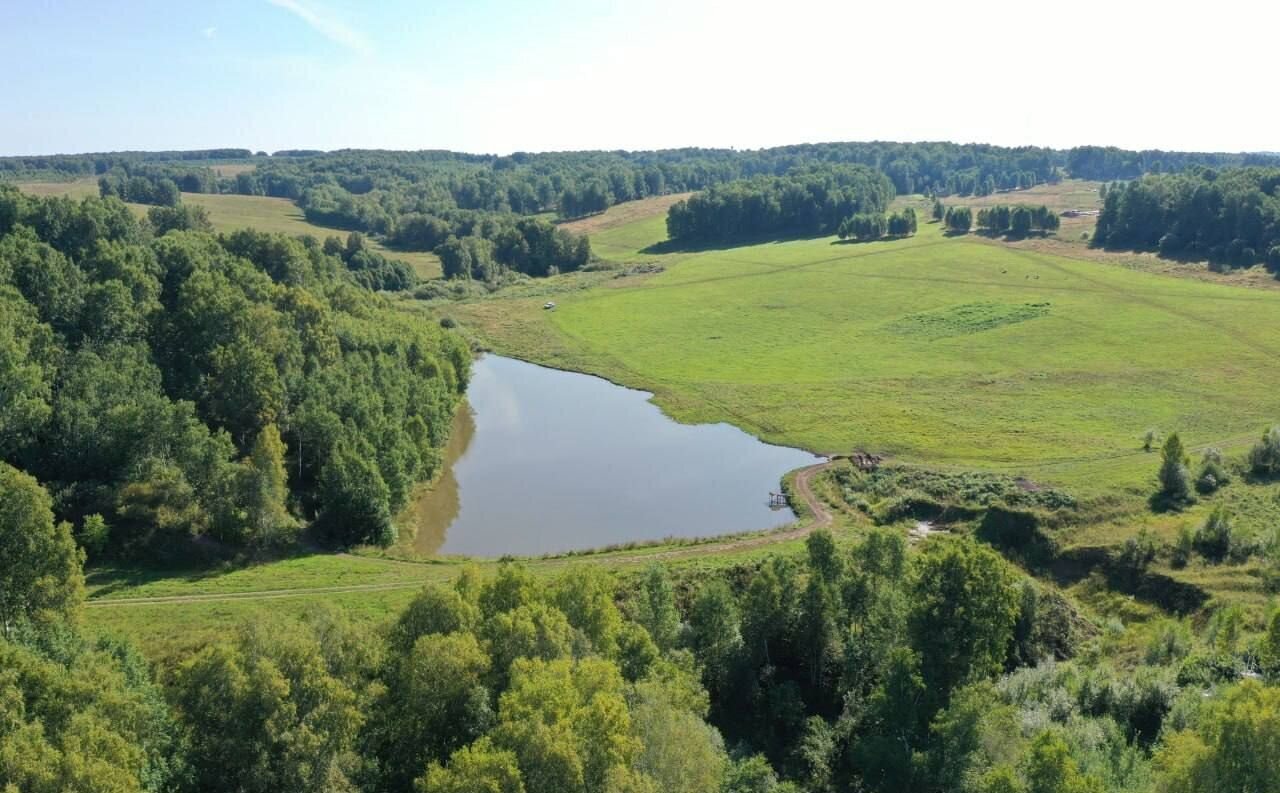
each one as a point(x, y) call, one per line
point(183, 386)
point(868, 667)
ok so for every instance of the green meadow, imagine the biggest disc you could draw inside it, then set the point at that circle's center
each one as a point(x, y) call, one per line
point(934, 350)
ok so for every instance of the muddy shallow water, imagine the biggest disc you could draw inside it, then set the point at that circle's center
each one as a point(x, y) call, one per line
point(545, 461)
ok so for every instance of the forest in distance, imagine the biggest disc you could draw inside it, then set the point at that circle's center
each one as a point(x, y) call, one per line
point(184, 406)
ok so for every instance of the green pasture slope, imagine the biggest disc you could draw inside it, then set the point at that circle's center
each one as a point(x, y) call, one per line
point(936, 350)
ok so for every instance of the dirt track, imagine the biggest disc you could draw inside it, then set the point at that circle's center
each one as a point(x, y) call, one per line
point(820, 517)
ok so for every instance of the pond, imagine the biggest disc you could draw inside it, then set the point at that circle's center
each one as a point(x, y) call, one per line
point(546, 461)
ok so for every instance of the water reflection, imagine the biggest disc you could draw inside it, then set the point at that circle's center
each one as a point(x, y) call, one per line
point(549, 461)
point(435, 507)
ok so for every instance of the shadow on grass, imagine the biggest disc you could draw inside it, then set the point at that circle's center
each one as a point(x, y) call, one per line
point(203, 561)
point(119, 576)
point(1162, 503)
point(885, 238)
point(702, 246)
point(1009, 236)
point(1217, 264)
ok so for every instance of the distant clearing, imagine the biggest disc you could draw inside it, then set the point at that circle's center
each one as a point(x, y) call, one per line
point(77, 189)
point(621, 230)
point(624, 213)
point(232, 169)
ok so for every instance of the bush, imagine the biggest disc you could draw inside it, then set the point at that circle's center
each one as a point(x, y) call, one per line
point(1182, 548)
point(1213, 472)
point(1150, 440)
point(1213, 539)
point(1171, 642)
point(1138, 552)
point(1264, 457)
point(1203, 669)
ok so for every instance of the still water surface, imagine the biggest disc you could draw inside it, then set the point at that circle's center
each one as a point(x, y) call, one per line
point(547, 461)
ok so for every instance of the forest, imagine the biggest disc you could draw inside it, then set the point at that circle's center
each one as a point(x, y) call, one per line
point(1231, 217)
point(866, 667)
point(417, 201)
point(185, 392)
point(812, 202)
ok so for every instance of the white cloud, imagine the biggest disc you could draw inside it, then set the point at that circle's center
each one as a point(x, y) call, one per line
point(329, 27)
point(210, 32)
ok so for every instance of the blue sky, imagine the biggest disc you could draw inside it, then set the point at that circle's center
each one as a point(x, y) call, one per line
point(489, 76)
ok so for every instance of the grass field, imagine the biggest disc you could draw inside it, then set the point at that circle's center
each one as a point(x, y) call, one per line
point(937, 350)
point(230, 212)
point(170, 612)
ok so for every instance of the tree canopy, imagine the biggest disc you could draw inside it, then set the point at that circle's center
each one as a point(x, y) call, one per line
point(234, 386)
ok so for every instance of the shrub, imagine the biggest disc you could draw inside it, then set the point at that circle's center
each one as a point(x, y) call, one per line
point(1206, 669)
point(1264, 457)
point(1138, 552)
point(1213, 539)
point(1150, 440)
point(1171, 642)
point(1182, 547)
point(1213, 472)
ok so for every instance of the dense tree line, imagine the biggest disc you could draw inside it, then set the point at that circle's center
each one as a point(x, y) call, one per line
point(529, 245)
point(1105, 163)
point(873, 226)
point(371, 269)
point(148, 183)
point(407, 197)
point(807, 202)
point(1018, 220)
point(231, 387)
point(577, 183)
point(74, 166)
point(1230, 216)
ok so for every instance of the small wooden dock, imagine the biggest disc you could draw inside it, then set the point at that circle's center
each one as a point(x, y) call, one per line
point(777, 500)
